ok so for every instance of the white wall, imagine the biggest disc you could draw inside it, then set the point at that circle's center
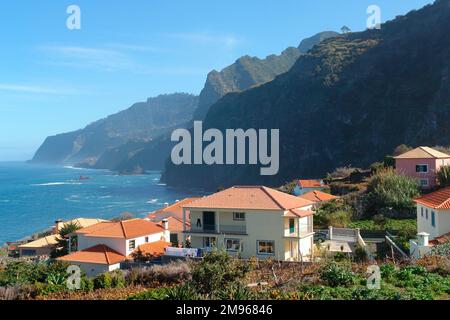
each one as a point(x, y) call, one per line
point(118, 244)
point(141, 240)
point(442, 221)
point(93, 269)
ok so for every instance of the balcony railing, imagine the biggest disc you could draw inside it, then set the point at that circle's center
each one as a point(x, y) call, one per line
point(230, 229)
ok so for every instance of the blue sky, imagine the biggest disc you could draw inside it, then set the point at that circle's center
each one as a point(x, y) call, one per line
point(55, 80)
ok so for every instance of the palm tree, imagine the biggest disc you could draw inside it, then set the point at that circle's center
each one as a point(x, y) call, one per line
point(62, 248)
point(444, 176)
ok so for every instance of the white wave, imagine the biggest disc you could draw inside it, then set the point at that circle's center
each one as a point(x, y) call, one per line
point(73, 168)
point(152, 201)
point(162, 184)
point(105, 197)
point(55, 184)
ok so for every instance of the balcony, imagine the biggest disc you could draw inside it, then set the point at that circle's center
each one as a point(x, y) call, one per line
point(219, 229)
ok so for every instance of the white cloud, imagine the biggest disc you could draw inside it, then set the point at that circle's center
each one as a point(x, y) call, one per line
point(106, 59)
point(35, 89)
point(228, 41)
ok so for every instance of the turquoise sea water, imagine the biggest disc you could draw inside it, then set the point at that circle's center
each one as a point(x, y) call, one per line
point(32, 197)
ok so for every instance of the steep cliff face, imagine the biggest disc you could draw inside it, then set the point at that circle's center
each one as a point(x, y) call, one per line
point(350, 100)
point(245, 73)
point(141, 122)
point(248, 72)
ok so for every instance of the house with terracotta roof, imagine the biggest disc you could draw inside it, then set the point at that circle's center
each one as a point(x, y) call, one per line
point(433, 221)
point(103, 246)
point(318, 197)
point(422, 163)
point(253, 221)
point(304, 186)
point(174, 215)
point(45, 245)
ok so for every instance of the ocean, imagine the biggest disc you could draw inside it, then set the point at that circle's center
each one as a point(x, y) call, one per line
point(32, 197)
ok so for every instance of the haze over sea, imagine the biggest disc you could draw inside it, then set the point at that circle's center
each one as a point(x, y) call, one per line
point(32, 197)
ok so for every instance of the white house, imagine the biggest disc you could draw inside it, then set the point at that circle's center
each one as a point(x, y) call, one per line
point(433, 221)
point(103, 246)
point(254, 222)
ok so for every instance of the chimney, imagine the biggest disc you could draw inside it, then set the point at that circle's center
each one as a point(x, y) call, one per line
point(58, 226)
point(423, 238)
point(165, 223)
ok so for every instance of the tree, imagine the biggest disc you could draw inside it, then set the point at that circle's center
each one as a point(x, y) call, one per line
point(62, 248)
point(444, 176)
point(401, 149)
point(345, 29)
point(389, 191)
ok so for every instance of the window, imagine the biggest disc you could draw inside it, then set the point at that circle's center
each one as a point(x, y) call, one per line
point(426, 214)
point(433, 219)
point(209, 242)
point(28, 252)
point(233, 244)
point(291, 226)
point(265, 247)
point(422, 168)
point(239, 216)
point(174, 238)
point(132, 245)
point(421, 211)
point(146, 239)
point(423, 182)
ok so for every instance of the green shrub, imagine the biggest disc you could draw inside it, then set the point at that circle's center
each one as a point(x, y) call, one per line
point(87, 284)
point(391, 193)
point(153, 294)
point(103, 281)
point(337, 275)
point(216, 270)
point(117, 279)
point(333, 213)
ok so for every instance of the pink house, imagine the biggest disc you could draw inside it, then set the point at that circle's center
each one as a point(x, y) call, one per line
point(422, 163)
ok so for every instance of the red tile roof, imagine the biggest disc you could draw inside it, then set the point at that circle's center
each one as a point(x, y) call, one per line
point(154, 248)
point(250, 198)
point(301, 213)
point(318, 196)
point(310, 183)
point(175, 224)
point(174, 210)
point(440, 240)
point(124, 229)
point(99, 254)
point(439, 199)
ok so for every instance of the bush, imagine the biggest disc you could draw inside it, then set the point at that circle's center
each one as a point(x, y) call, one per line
point(391, 193)
point(333, 213)
point(216, 271)
point(87, 284)
point(153, 294)
point(337, 275)
point(17, 292)
point(172, 272)
point(103, 281)
point(117, 279)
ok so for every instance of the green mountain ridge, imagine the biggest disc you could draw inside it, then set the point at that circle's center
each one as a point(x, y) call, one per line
point(348, 101)
point(245, 73)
